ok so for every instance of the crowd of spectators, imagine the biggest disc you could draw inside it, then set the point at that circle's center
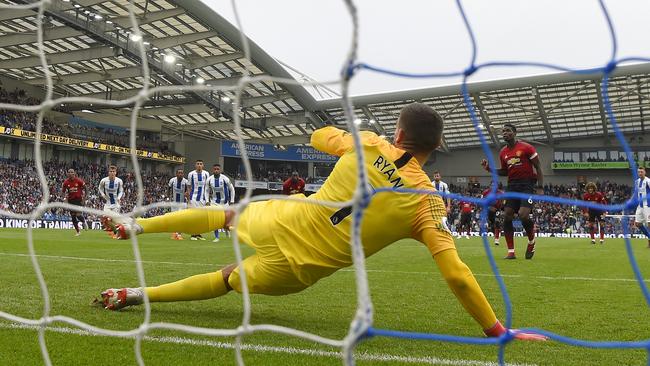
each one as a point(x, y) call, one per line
point(621, 158)
point(20, 193)
point(20, 190)
point(97, 133)
point(551, 217)
point(277, 177)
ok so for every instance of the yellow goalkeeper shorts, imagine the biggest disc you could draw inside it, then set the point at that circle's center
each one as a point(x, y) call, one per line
point(268, 271)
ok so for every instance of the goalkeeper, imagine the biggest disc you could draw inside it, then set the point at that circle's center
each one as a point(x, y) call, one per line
point(297, 243)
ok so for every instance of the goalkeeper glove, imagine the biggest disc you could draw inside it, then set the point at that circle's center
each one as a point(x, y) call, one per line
point(497, 330)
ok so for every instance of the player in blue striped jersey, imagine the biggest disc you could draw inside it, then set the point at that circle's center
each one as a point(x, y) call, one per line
point(178, 193)
point(198, 179)
point(442, 187)
point(111, 189)
point(642, 190)
point(221, 192)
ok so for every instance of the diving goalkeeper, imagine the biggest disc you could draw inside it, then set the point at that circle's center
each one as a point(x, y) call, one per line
point(297, 243)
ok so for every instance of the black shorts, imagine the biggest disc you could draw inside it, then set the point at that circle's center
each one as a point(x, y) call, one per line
point(521, 186)
point(594, 215)
point(465, 219)
point(76, 202)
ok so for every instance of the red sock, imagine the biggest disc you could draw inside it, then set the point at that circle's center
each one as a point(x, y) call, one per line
point(529, 226)
point(602, 233)
point(591, 232)
point(497, 234)
point(510, 240)
point(531, 233)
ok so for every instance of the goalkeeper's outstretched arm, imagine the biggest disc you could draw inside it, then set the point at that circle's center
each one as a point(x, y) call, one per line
point(464, 285)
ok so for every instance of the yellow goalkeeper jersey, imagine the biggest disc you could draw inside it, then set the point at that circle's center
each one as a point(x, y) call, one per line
point(316, 239)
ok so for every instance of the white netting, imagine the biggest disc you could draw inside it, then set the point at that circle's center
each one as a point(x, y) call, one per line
point(363, 317)
point(360, 325)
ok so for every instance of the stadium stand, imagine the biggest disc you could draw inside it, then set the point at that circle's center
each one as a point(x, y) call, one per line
point(79, 129)
point(18, 180)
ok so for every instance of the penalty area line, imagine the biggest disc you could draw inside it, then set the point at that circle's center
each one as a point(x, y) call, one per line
point(360, 356)
point(369, 270)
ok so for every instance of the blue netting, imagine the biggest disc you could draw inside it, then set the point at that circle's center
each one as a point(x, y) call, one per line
point(605, 71)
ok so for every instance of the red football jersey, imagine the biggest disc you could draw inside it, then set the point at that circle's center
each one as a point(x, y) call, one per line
point(465, 207)
point(498, 204)
point(74, 188)
point(595, 197)
point(518, 161)
point(291, 187)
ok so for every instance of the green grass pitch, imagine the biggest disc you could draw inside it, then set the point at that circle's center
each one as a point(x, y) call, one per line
point(571, 287)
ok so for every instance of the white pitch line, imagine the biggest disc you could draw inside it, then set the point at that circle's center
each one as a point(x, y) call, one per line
point(363, 356)
point(112, 260)
point(218, 265)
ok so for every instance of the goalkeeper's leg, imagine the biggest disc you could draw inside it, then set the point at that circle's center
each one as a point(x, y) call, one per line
point(199, 287)
point(192, 221)
point(267, 272)
point(264, 275)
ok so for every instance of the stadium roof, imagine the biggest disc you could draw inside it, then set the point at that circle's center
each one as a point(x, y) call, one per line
point(91, 52)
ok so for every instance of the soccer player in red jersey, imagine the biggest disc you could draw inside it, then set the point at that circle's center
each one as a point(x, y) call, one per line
point(592, 195)
point(294, 185)
point(493, 211)
point(74, 189)
point(466, 209)
point(517, 162)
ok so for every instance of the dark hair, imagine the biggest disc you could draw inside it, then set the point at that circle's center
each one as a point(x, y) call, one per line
point(436, 172)
point(510, 126)
point(422, 127)
point(216, 165)
point(198, 161)
point(112, 167)
point(179, 170)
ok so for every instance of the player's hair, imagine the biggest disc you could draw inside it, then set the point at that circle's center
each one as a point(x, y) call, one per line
point(179, 170)
point(510, 126)
point(590, 185)
point(436, 172)
point(422, 127)
point(198, 161)
point(641, 168)
point(112, 167)
point(215, 165)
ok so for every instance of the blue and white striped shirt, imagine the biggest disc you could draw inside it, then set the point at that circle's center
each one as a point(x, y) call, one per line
point(198, 184)
point(642, 187)
point(440, 186)
point(221, 189)
point(178, 187)
point(111, 190)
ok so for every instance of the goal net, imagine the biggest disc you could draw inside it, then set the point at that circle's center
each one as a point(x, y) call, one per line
point(361, 325)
